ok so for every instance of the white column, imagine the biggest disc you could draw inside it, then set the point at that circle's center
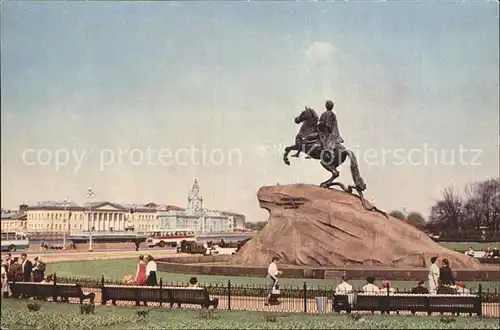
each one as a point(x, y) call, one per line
point(104, 218)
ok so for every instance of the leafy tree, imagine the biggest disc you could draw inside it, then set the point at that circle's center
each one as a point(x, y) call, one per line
point(416, 220)
point(398, 215)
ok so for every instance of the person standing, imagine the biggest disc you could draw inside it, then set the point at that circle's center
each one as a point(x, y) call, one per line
point(5, 284)
point(433, 276)
point(27, 268)
point(151, 272)
point(140, 275)
point(272, 277)
point(446, 274)
point(38, 270)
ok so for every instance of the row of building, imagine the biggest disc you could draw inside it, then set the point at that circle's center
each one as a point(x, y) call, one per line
point(60, 217)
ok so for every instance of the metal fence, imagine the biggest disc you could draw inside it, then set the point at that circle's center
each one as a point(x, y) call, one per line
point(253, 297)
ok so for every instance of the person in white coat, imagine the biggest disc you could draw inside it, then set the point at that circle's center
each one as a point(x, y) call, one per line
point(5, 286)
point(344, 287)
point(433, 276)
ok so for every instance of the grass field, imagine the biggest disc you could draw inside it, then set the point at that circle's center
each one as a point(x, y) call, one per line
point(15, 315)
point(466, 246)
point(117, 269)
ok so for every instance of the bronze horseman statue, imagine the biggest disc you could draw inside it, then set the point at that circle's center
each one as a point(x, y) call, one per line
point(320, 139)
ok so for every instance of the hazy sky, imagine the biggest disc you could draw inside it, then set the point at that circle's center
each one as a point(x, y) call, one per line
point(229, 77)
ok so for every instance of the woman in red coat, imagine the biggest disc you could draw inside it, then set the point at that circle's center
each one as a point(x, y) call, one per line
point(140, 276)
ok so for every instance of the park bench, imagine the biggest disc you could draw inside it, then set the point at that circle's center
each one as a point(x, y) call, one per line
point(132, 293)
point(170, 295)
point(66, 291)
point(446, 303)
point(31, 290)
point(49, 290)
point(188, 295)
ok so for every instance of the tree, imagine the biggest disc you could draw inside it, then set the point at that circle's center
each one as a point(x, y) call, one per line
point(465, 216)
point(413, 218)
point(483, 204)
point(416, 220)
point(398, 215)
point(446, 215)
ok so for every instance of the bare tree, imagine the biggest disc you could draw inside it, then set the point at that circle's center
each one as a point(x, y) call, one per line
point(447, 213)
point(457, 216)
point(483, 204)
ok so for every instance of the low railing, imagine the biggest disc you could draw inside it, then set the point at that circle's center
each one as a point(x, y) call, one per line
point(252, 297)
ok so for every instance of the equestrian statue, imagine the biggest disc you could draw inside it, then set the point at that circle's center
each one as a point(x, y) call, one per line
point(319, 138)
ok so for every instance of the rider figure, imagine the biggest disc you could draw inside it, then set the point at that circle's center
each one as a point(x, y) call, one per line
point(328, 128)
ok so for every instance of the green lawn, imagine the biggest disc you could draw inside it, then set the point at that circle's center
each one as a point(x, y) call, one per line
point(117, 269)
point(15, 315)
point(466, 246)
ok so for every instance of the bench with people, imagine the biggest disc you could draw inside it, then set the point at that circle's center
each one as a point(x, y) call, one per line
point(443, 295)
point(129, 291)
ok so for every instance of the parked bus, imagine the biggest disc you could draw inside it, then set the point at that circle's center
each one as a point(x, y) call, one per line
point(11, 241)
point(170, 238)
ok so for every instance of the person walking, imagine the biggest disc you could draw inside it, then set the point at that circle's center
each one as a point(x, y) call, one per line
point(272, 278)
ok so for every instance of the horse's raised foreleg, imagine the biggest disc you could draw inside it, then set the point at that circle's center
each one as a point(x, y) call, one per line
point(287, 152)
point(329, 165)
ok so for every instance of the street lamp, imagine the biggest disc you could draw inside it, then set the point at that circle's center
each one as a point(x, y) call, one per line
point(90, 194)
point(66, 219)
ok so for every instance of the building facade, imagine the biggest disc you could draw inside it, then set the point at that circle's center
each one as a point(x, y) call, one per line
point(13, 221)
point(196, 218)
point(58, 217)
point(52, 217)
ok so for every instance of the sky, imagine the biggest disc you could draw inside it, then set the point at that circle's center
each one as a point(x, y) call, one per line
point(88, 88)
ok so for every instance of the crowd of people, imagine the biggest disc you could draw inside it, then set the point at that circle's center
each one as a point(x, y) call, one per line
point(440, 280)
point(489, 252)
point(21, 270)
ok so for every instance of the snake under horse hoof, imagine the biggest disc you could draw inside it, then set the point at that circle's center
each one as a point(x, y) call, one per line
point(349, 190)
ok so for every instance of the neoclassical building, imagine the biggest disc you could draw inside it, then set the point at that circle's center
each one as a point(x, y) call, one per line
point(196, 218)
point(58, 217)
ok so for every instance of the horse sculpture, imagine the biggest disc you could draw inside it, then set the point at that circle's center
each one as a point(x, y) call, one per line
point(310, 142)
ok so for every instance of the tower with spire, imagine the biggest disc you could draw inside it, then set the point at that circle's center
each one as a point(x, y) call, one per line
point(195, 201)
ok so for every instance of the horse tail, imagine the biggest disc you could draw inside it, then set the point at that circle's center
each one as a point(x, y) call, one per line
point(356, 175)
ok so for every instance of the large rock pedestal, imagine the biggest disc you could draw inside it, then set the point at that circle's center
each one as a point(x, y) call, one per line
point(332, 229)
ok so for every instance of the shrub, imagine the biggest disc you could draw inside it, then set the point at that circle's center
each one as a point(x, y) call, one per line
point(208, 314)
point(447, 319)
point(269, 317)
point(34, 307)
point(87, 309)
point(142, 314)
point(355, 317)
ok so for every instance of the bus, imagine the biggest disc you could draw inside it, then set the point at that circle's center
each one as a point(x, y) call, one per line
point(170, 238)
point(11, 241)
